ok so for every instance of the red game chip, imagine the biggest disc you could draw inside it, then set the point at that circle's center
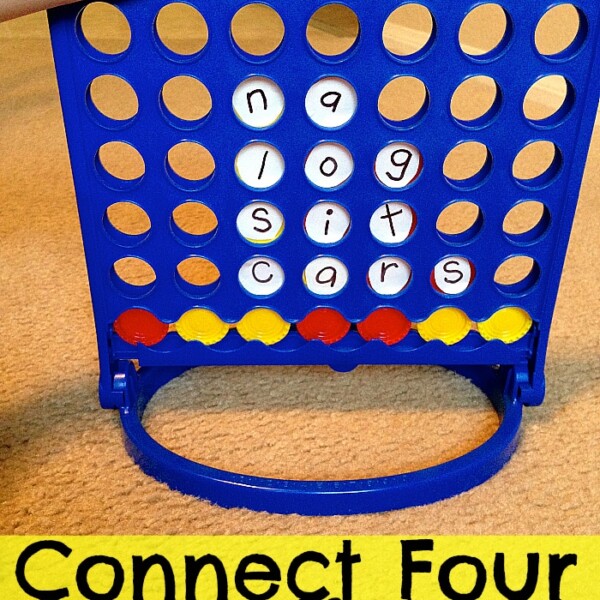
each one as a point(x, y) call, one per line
point(139, 326)
point(386, 324)
point(324, 324)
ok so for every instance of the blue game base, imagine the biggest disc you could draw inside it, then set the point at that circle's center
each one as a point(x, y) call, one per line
point(233, 490)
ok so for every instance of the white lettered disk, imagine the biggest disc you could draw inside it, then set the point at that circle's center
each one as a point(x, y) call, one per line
point(329, 165)
point(259, 165)
point(260, 223)
point(326, 276)
point(331, 102)
point(393, 223)
point(258, 102)
point(327, 223)
point(389, 276)
point(261, 276)
point(398, 165)
point(453, 275)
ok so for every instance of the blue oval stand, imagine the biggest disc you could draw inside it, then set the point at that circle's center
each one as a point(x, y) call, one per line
point(234, 490)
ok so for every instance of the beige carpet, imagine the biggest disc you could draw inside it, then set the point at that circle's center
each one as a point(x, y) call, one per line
point(63, 468)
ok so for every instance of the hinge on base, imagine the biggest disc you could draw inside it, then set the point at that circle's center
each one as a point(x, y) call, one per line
point(124, 385)
point(526, 382)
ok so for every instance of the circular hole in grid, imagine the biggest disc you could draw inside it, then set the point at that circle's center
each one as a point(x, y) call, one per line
point(105, 29)
point(460, 222)
point(517, 275)
point(393, 223)
point(404, 101)
point(127, 222)
point(326, 276)
point(549, 100)
point(133, 276)
point(259, 166)
point(485, 31)
point(258, 102)
point(181, 29)
point(409, 31)
point(120, 165)
point(198, 276)
point(331, 102)
point(468, 164)
point(537, 164)
point(186, 100)
point(398, 165)
point(389, 276)
point(329, 165)
point(194, 223)
point(561, 32)
point(453, 275)
point(333, 30)
point(327, 223)
point(261, 277)
point(260, 223)
point(257, 30)
point(111, 98)
point(527, 222)
point(190, 165)
point(476, 101)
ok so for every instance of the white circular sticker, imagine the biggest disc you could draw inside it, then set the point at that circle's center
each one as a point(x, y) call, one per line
point(261, 276)
point(331, 102)
point(389, 275)
point(398, 165)
point(329, 165)
point(327, 223)
point(392, 223)
point(260, 223)
point(326, 276)
point(259, 165)
point(258, 102)
point(453, 275)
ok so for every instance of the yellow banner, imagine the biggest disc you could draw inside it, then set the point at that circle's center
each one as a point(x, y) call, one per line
point(300, 568)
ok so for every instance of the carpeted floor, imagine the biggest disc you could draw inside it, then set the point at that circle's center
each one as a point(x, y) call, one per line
point(63, 468)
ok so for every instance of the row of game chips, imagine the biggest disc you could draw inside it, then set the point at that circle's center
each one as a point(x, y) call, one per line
point(389, 325)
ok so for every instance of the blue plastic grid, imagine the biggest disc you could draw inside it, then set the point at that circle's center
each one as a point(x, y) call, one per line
point(295, 67)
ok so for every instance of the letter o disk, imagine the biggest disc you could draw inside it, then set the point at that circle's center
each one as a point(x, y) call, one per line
point(329, 165)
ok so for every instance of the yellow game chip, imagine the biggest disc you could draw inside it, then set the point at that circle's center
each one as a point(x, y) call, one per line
point(272, 239)
point(201, 325)
point(263, 325)
point(508, 325)
point(449, 325)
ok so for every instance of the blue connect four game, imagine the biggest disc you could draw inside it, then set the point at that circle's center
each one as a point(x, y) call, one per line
point(326, 183)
